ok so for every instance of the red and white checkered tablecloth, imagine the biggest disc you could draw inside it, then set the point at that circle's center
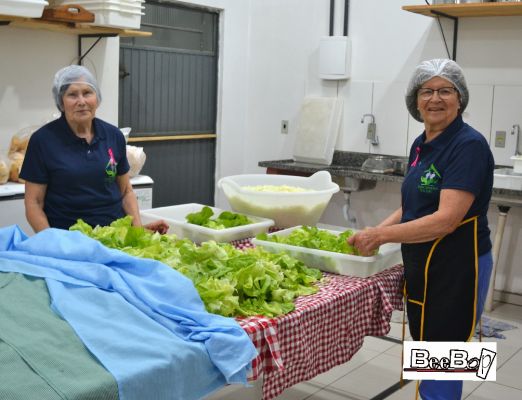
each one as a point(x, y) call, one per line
point(326, 329)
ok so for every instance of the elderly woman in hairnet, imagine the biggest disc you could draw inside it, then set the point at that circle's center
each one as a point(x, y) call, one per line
point(76, 166)
point(442, 222)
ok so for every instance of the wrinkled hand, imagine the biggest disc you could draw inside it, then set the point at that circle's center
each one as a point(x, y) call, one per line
point(365, 241)
point(159, 226)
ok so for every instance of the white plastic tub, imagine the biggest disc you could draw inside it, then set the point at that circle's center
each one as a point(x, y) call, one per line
point(285, 208)
point(175, 216)
point(104, 4)
point(117, 18)
point(113, 13)
point(23, 8)
point(344, 264)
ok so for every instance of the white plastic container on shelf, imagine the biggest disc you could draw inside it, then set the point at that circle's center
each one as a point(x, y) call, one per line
point(113, 13)
point(343, 264)
point(23, 8)
point(102, 4)
point(117, 18)
point(175, 216)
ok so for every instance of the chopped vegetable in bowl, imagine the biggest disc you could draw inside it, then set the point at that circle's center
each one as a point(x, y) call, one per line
point(276, 188)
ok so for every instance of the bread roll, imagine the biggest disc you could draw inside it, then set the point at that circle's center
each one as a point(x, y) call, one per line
point(17, 159)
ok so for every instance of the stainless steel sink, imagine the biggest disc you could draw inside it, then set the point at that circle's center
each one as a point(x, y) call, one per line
point(349, 184)
point(506, 178)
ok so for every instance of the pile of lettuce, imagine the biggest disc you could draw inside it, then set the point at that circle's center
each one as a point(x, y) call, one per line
point(231, 282)
point(314, 238)
point(225, 220)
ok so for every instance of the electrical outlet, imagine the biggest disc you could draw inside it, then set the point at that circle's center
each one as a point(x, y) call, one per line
point(500, 139)
point(284, 126)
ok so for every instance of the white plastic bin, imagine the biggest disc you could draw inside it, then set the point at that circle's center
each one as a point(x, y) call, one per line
point(23, 8)
point(344, 264)
point(175, 216)
point(113, 13)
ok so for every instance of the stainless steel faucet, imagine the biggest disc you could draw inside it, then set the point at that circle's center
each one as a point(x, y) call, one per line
point(371, 132)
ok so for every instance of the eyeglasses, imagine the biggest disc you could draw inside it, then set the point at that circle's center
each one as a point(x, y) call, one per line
point(444, 93)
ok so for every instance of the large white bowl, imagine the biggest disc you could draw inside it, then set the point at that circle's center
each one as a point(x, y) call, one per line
point(285, 208)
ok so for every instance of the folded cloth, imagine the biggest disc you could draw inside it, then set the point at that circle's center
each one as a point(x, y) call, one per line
point(492, 328)
point(40, 355)
point(143, 320)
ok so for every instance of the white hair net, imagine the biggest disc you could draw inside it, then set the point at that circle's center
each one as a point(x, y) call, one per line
point(72, 74)
point(444, 68)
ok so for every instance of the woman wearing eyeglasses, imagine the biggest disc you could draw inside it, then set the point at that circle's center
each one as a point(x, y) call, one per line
point(442, 222)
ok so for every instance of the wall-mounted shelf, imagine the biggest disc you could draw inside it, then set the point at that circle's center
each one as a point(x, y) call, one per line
point(456, 11)
point(68, 27)
point(468, 9)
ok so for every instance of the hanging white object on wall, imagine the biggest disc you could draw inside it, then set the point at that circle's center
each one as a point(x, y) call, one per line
point(335, 57)
point(319, 125)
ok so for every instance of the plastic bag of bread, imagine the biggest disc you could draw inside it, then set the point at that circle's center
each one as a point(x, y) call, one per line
point(20, 139)
point(5, 168)
point(17, 159)
point(136, 157)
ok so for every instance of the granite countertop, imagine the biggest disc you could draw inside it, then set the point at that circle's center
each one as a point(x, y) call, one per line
point(348, 164)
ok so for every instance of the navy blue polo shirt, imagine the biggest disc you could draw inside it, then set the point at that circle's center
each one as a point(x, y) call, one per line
point(80, 177)
point(459, 158)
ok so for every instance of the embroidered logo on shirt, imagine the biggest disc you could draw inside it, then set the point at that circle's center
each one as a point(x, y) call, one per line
point(429, 180)
point(110, 168)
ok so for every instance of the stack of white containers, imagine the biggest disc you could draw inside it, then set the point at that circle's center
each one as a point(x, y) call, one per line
point(114, 13)
point(22, 8)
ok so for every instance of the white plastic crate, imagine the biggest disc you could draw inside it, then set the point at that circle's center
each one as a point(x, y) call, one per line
point(103, 4)
point(23, 8)
point(117, 19)
point(175, 216)
point(344, 264)
point(113, 13)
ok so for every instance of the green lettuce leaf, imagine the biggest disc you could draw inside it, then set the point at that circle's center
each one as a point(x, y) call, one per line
point(231, 282)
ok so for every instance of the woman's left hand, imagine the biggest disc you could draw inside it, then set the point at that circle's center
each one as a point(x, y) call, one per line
point(159, 226)
point(365, 241)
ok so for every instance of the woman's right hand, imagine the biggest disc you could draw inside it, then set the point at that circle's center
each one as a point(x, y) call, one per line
point(159, 226)
point(365, 241)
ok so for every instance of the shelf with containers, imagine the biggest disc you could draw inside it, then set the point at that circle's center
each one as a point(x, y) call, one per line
point(464, 10)
point(30, 14)
point(501, 9)
point(68, 27)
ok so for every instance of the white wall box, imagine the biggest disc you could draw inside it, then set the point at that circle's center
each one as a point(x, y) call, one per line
point(335, 54)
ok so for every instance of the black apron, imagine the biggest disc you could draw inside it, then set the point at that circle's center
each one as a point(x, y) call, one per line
point(441, 278)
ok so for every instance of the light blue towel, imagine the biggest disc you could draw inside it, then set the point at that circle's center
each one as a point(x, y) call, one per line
point(144, 321)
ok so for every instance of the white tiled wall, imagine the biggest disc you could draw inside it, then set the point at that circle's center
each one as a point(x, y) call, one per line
point(391, 118)
point(478, 111)
point(507, 111)
point(357, 97)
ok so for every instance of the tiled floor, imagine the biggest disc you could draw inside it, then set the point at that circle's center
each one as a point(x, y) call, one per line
point(377, 366)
